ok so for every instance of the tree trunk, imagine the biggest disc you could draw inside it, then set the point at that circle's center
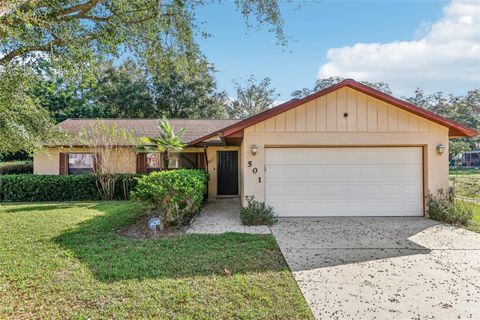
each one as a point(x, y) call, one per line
point(166, 157)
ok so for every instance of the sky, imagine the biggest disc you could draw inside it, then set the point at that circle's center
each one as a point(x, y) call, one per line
point(434, 45)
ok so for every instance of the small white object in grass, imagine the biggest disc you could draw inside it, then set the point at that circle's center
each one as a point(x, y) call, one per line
point(153, 223)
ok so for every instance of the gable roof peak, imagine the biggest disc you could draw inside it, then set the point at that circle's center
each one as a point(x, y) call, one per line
point(455, 129)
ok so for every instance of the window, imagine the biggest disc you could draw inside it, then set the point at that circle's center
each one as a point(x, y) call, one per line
point(174, 161)
point(154, 161)
point(80, 163)
point(189, 160)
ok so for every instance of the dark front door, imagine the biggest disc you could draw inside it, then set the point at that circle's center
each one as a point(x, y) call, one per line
point(227, 173)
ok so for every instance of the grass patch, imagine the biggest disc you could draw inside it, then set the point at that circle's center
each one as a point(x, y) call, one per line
point(475, 223)
point(465, 182)
point(68, 261)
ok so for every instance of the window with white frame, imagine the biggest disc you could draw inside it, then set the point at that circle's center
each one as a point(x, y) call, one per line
point(80, 163)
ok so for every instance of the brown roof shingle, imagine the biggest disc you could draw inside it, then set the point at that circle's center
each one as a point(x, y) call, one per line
point(149, 127)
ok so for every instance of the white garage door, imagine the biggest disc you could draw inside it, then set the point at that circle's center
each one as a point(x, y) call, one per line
point(380, 181)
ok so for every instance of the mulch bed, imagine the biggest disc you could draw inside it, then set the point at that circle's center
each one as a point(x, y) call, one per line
point(140, 230)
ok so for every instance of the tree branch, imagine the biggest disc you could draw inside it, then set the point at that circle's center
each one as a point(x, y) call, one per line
point(20, 51)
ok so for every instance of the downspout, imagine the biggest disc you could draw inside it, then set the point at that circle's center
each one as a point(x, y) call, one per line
point(206, 163)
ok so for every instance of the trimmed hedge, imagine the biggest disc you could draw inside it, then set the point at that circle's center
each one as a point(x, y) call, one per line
point(33, 188)
point(176, 195)
point(16, 168)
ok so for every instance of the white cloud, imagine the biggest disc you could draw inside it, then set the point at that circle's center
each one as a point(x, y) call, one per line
point(445, 57)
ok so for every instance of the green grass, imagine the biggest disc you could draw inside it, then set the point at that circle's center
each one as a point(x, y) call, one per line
point(68, 261)
point(475, 223)
point(464, 171)
point(466, 182)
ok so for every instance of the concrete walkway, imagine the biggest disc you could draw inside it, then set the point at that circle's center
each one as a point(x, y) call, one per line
point(383, 268)
point(220, 216)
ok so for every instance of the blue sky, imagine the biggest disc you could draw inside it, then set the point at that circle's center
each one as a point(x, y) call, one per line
point(360, 30)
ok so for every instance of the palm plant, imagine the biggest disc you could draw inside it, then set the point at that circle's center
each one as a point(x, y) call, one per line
point(166, 142)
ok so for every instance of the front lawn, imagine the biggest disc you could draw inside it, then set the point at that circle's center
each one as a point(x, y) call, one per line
point(466, 182)
point(68, 261)
point(475, 223)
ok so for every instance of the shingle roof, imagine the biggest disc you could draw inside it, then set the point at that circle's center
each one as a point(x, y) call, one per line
point(149, 127)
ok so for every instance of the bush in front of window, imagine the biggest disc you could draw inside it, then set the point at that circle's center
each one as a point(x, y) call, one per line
point(33, 188)
point(444, 207)
point(176, 195)
point(257, 213)
point(16, 168)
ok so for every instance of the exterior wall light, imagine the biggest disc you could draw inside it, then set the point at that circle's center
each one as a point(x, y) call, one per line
point(440, 148)
point(254, 149)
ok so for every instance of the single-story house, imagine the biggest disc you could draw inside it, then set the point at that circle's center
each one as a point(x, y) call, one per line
point(346, 150)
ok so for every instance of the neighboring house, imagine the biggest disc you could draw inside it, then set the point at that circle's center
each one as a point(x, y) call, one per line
point(471, 159)
point(348, 150)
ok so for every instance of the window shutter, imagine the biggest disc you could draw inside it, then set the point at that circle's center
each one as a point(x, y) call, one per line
point(62, 164)
point(141, 163)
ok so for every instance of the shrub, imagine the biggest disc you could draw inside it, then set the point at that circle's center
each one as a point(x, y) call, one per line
point(32, 188)
point(257, 213)
point(16, 168)
point(177, 195)
point(443, 207)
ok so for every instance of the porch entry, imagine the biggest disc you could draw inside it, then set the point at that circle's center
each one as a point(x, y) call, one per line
point(227, 173)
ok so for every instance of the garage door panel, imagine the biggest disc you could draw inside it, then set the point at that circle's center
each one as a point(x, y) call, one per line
point(342, 208)
point(345, 181)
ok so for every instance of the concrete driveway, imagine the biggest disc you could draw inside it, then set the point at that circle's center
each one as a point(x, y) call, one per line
point(383, 268)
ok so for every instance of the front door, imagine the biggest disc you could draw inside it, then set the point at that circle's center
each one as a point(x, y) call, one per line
point(227, 173)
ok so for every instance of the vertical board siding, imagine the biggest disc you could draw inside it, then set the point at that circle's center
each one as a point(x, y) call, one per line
point(352, 110)
point(301, 118)
point(270, 125)
point(362, 113)
point(332, 111)
point(382, 116)
point(392, 119)
point(280, 122)
point(372, 115)
point(402, 121)
point(341, 109)
point(312, 116)
point(291, 120)
point(321, 113)
point(326, 114)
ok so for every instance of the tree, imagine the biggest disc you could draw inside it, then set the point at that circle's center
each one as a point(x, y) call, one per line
point(252, 98)
point(178, 95)
point(75, 29)
point(456, 148)
point(324, 83)
point(62, 95)
point(123, 92)
point(73, 35)
point(463, 109)
point(23, 126)
point(108, 144)
point(166, 142)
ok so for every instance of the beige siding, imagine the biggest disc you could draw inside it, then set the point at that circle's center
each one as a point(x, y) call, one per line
point(370, 122)
point(124, 162)
point(47, 162)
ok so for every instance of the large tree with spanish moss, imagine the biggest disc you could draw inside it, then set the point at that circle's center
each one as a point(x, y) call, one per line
point(74, 35)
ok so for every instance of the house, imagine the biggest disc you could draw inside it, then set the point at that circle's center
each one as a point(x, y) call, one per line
point(346, 150)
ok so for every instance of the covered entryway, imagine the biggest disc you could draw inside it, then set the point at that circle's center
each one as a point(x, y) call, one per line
point(344, 181)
